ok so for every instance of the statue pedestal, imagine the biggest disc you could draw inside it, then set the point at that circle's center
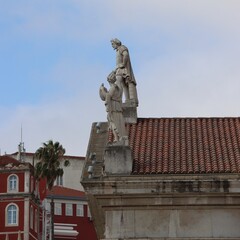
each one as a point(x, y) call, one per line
point(118, 159)
point(130, 111)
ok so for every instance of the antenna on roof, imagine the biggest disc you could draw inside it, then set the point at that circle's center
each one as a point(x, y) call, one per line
point(21, 149)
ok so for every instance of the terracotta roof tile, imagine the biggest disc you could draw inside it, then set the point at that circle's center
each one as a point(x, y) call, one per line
point(5, 159)
point(185, 145)
point(60, 191)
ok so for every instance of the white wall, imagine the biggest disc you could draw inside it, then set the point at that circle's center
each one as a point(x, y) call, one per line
point(72, 173)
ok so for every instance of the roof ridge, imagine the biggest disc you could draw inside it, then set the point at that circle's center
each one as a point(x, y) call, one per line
point(140, 118)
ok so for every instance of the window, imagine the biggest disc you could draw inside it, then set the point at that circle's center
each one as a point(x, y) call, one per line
point(13, 183)
point(59, 181)
point(58, 209)
point(80, 211)
point(69, 209)
point(12, 215)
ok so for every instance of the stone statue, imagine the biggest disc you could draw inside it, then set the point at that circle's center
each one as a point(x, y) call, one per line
point(113, 103)
point(124, 74)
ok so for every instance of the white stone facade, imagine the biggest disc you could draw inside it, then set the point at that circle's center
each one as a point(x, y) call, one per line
point(166, 207)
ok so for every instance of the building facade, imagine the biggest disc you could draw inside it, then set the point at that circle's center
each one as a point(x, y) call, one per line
point(72, 173)
point(20, 212)
point(72, 219)
point(72, 216)
point(178, 179)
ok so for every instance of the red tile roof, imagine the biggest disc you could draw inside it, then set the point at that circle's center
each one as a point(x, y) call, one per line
point(185, 145)
point(5, 159)
point(64, 192)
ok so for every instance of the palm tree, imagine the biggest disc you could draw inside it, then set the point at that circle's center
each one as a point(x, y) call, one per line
point(49, 168)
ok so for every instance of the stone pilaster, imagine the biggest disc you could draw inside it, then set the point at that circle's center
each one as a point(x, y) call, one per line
point(118, 158)
point(130, 111)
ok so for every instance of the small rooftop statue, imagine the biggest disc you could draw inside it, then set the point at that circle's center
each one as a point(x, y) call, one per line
point(113, 103)
point(124, 74)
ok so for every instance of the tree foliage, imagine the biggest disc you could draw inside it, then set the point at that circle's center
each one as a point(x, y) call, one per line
point(50, 156)
point(49, 165)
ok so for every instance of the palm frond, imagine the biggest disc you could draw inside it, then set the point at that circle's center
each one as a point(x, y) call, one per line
point(49, 166)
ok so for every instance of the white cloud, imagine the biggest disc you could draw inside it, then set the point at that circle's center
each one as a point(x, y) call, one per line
point(68, 122)
point(189, 85)
point(185, 56)
point(96, 20)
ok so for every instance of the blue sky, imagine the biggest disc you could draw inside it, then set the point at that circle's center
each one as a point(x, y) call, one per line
point(55, 54)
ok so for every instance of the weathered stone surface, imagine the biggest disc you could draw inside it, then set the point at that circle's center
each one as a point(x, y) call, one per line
point(118, 160)
point(113, 101)
point(159, 206)
point(160, 238)
point(167, 207)
point(169, 224)
point(124, 71)
point(130, 112)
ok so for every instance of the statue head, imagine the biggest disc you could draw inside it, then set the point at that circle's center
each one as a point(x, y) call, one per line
point(112, 77)
point(116, 43)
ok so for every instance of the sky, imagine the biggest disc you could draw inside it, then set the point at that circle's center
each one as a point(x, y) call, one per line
point(54, 55)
